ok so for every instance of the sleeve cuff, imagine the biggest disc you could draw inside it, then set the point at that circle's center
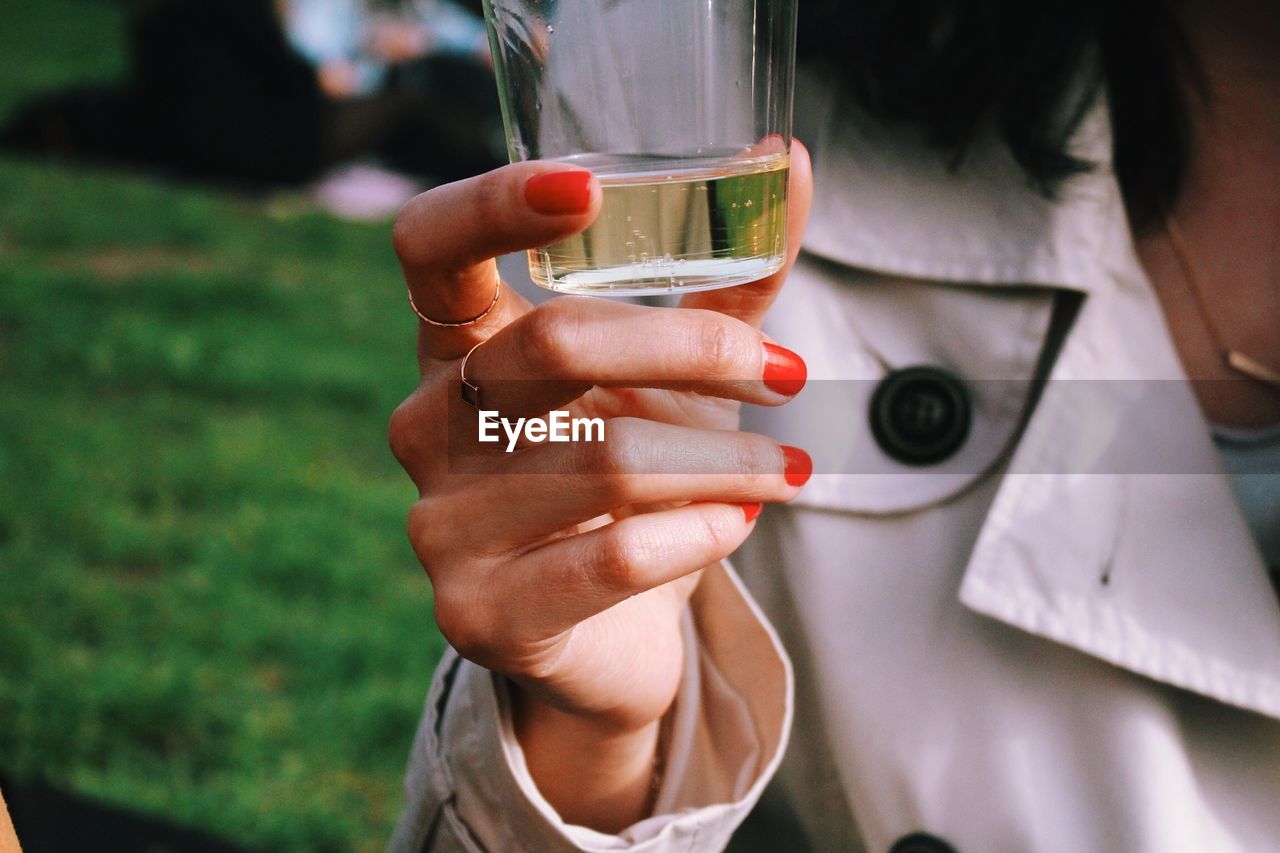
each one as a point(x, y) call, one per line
point(728, 731)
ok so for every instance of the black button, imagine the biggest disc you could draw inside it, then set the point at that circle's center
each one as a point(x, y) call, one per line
point(921, 842)
point(920, 415)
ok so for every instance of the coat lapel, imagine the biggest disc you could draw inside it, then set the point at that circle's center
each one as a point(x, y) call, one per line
point(1115, 530)
point(886, 202)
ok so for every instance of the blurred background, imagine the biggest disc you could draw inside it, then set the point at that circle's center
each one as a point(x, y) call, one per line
point(213, 633)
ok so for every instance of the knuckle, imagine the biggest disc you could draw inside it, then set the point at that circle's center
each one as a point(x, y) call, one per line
point(424, 530)
point(604, 467)
point(402, 433)
point(720, 348)
point(756, 468)
point(623, 453)
point(489, 201)
point(571, 309)
point(716, 530)
point(754, 455)
point(418, 522)
point(413, 432)
point(480, 202)
point(619, 563)
point(459, 624)
point(616, 489)
point(550, 334)
point(407, 236)
point(594, 461)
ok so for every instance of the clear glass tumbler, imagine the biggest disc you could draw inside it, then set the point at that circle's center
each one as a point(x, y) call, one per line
point(682, 109)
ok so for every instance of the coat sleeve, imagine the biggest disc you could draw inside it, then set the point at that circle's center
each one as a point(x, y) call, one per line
point(468, 789)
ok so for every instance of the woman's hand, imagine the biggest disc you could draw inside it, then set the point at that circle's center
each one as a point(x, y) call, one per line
point(565, 566)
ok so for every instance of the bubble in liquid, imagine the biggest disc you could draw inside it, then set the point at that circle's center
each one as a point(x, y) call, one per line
point(550, 29)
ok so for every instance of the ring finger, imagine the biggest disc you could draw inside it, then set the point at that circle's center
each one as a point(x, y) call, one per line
point(545, 488)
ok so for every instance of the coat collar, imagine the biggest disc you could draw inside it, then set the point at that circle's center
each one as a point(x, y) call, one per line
point(883, 201)
point(1116, 530)
point(1151, 568)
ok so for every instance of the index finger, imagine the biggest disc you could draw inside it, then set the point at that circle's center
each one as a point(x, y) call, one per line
point(447, 239)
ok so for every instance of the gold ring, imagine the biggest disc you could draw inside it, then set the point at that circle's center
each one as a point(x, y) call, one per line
point(497, 291)
point(470, 391)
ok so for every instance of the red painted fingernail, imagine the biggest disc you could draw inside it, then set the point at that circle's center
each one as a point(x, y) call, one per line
point(559, 192)
point(799, 467)
point(751, 511)
point(784, 371)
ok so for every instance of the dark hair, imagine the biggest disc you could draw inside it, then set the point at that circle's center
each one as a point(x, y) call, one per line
point(947, 67)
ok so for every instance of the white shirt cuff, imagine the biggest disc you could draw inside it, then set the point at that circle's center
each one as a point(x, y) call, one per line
point(729, 726)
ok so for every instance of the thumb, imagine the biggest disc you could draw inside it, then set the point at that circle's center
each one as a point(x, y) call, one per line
point(750, 302)
point(448, 237)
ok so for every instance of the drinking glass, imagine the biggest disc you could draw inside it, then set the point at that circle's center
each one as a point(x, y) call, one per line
point(681, 108)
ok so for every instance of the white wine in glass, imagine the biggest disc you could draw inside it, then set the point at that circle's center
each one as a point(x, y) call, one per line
point(668, 223)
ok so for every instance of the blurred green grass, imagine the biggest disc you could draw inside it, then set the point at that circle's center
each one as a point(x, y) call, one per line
point(208, 610)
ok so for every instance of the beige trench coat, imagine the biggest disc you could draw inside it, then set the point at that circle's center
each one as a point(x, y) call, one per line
point(1038, 644)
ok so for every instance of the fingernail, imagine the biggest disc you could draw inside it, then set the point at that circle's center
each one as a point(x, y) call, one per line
point(751, 511)
point(559, 192)
point(799, 467)
point(784, 371)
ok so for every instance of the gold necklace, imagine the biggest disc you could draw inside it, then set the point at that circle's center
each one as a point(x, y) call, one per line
point(1241, 363)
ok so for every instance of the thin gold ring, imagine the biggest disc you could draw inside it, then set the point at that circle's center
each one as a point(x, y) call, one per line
point(470, 391)
point(497, 291)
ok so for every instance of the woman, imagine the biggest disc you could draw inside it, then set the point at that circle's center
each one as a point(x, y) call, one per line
point(985, 649)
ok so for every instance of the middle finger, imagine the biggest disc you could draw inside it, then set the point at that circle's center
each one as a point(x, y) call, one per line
point(545, 488)
point(555, 353)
